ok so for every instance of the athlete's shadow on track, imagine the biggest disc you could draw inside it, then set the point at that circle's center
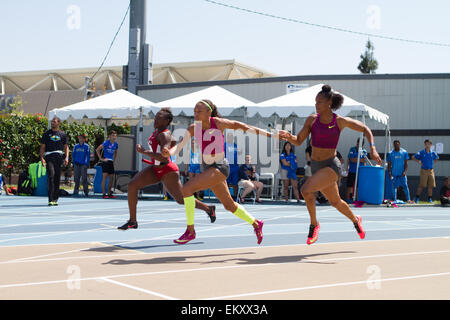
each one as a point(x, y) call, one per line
point(163, 260)
point(280, 259)
point(242, 261)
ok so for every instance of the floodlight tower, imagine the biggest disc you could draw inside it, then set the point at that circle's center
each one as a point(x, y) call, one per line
point(139, 69)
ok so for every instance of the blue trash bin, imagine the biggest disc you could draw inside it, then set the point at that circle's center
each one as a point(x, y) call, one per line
point(98, 180)
point(371, 184)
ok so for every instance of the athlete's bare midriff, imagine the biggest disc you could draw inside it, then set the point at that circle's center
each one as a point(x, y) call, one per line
point(321, 154)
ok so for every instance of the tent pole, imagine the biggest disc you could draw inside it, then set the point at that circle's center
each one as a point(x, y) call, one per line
point(385, 148)
point(140, 136)
point(358, 159)
point(106, 129)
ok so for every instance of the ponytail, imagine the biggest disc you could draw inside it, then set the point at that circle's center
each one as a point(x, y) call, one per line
point(212, 107)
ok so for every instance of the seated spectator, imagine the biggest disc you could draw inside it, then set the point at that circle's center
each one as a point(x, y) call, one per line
point(288, 171)
point(248, 180)
point(445, 193)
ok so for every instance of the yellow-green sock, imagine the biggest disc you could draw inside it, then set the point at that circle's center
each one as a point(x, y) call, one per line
point(189, 206)
point(244, 215)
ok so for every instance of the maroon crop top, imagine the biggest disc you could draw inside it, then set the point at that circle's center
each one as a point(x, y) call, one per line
point(325, 135)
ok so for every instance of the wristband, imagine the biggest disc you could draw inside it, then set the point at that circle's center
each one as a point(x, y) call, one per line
point(372, 144)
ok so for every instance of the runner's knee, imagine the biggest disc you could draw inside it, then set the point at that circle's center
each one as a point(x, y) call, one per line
point(230, 206)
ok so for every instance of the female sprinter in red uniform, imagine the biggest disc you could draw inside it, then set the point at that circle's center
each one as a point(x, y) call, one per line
point(161, 169)
point(208, 132)
point(325, 127)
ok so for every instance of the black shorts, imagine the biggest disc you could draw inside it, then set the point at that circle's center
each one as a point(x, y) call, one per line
point(223, 167)
point(332, 163)
point(108, 167)
point(351, 179)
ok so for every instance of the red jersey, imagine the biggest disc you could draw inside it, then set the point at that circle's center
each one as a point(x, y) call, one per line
point(155, 147)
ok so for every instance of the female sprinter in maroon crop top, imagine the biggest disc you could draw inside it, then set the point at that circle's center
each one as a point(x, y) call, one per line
point(161, 169)
point(325, 127)
point(214, 169)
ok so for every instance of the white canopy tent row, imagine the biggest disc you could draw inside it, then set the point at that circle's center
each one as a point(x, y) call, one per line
point(301, 104)
point(119, 104)
point(227, 102)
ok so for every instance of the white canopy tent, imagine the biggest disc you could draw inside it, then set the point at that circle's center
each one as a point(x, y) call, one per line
point(119, 104)
point(302, 104)
point(227, 102)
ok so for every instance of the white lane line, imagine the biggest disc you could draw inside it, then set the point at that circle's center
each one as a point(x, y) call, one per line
point(67, 221)
point(170, 236)
point(153, 293)
point(53, 234)
point(341, 284)
point(163, 237)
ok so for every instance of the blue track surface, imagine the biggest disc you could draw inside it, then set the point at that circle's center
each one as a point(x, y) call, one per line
point(29, 221)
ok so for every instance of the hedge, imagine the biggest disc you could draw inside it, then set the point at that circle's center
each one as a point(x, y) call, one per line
point(20, 139)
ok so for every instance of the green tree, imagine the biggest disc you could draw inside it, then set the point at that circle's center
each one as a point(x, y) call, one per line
point(368, 62)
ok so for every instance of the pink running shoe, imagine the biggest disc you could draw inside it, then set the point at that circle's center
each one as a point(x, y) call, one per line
point(359, 228)
point(185, 238)
point(258, 230)
point(313, 233)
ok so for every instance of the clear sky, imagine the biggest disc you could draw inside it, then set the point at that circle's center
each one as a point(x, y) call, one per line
point(50, 34)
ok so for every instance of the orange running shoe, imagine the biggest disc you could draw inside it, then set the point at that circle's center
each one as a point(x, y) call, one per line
point(313, 233)
point(359, 228)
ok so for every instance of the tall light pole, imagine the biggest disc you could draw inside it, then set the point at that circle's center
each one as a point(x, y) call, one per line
point(138, 71)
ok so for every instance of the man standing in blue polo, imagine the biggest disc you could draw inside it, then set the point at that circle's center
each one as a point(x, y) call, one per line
point(397, 166)
point(426, 158)
point(109, 148)
point(81, 156)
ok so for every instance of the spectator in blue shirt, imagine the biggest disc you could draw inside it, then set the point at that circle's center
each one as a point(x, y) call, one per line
point(81, 155)
point(109, 148)
point(397, 161)
point(289, 167)
point(231, 153)
point(426, 158)
point(351, 168)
